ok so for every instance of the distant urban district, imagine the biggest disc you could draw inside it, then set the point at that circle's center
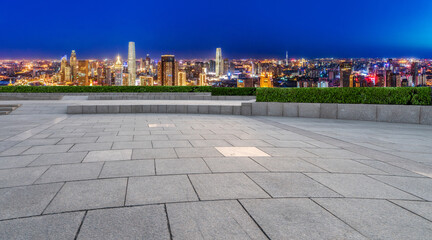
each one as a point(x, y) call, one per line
point(218, 72)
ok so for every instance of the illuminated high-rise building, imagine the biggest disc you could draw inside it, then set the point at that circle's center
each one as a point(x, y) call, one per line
point(168, 71)
point(74, 65)
point(118, 72)
point(286, 59)
point(182, 78)
point(202, 79)
point(266, 79)
point(345, 74)
point(131, 64)
point(219, 62)
point(83, 72)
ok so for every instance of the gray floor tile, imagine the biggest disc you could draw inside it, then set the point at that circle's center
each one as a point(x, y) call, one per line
point(48, 227)
point(290, 144)
point(48, 149)
point(423, 209)
point(171, 144)
point(248, 143)
point(390, 169)
point(226, 186)
point(59, 158)
point(159, 189)
point(154, 153)
point(91, 147)
point(20, 176)
point(128, 168)
point(340, 165)
point(335, 153)
point(420, 187)
point(16, 161)
point(197, 152)
point(147, 222)
point(71, 172)
point(285, 164)
point(378, 219)
point(26, 201)
point(233, 164)
point(211, 220)
point(78, 140)
point(286, 152)
point(181, 166)
point(108, 155)
point(291, 185)
point(132, 145)
point(361, 186)
point(210, 143)
point(89, 195)
point(297, 219)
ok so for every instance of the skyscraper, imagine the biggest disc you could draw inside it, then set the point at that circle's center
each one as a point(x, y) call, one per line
point(74, 65)
point(286, 59)
point(131, 64)
point(219, 62)
point(266, 79)
point(118, 72)
point(182, 78)
point(168, 71)
point(345, 73)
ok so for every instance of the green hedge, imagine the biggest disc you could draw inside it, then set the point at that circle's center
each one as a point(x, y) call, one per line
point(375, 95)
point(220, 91)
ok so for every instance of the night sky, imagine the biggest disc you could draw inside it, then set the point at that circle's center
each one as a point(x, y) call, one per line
point(193, 29)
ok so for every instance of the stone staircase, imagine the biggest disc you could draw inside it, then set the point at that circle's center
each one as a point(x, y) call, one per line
point(5, 109)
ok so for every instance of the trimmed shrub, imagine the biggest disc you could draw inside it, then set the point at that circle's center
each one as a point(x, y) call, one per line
point(376, 95)
point(220, 91)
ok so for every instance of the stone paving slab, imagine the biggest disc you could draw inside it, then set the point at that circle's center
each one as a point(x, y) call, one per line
point(159, 189)
point(226, 186)
point(377, 218)
point(90, 194)
point(297, 219)
point(26, 201)
point(52, 227)
point(212, 220)
point(148, 222)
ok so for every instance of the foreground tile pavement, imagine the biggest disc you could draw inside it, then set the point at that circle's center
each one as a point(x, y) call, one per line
point(169, 176)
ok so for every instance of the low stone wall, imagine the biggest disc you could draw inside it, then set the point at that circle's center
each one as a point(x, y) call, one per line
point(30, 96)
point(182, 109)
point(362, 112)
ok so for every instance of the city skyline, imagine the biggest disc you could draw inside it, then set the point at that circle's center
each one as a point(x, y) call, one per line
point(189, 29)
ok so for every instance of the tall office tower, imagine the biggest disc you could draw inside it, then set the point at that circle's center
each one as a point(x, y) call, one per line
point(414, 73)
point(131, 64)
point(64, 64)
point(118, 72)
point(212, 66)
point(226, 65)
point(202, 79)
point(74, 65)
point(266, 79)
point(219, 62)
point(68, 74)
point(168, 71)
point(108, 77)
point(147, 64)
point(345, 73)
point(83, 72)
point(182, 78)
point(286, 59)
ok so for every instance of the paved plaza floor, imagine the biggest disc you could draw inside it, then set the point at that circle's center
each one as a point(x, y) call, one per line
point(171, 176)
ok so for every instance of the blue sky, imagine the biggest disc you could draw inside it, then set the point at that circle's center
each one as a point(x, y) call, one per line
point(188, 29)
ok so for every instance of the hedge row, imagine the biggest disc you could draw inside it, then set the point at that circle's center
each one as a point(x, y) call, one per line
point(375, 95)
point(221, 91)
